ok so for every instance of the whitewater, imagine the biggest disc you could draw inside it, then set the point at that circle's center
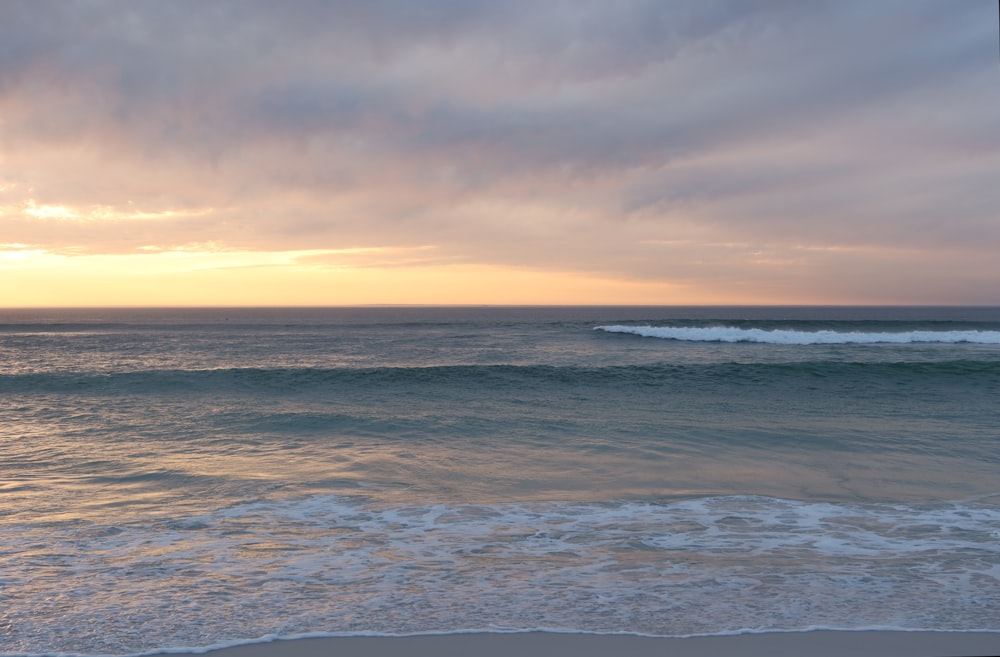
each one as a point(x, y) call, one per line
point(779, 336)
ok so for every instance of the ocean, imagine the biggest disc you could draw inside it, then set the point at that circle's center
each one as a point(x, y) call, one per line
point(184, 478)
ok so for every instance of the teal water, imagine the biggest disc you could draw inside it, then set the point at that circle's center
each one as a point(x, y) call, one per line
point(190, 477)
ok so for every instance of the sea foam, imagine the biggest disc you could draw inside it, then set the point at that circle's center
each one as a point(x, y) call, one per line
point(334, 564)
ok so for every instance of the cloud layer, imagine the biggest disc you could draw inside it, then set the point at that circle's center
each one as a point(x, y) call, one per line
point(846, 150)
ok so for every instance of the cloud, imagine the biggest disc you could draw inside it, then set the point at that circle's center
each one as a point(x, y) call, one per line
point(571, 135)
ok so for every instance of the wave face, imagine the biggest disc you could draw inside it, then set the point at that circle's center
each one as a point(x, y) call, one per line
point(188, 478)
point(734, 334)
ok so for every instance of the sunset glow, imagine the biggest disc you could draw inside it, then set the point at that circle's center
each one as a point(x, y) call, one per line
point(488, 153)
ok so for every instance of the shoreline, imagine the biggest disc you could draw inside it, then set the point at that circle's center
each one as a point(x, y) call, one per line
point(815, 643)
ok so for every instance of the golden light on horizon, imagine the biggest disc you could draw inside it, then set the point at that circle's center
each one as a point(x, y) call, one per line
point(39, 278)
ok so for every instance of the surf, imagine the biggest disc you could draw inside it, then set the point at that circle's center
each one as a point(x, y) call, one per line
point(735, 334)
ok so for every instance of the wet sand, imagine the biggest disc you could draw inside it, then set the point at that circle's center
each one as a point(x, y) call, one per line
point(544, 644)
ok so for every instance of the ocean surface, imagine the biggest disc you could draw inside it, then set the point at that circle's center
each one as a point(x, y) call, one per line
point(195, 477)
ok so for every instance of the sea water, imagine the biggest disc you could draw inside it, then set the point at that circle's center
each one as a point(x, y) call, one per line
point(186, 478)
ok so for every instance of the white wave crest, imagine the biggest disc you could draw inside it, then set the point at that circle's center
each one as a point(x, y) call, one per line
point(793, 337)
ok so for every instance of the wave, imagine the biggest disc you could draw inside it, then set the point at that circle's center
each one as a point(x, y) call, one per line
point(339, 564)
point(496, 377)
point(733, 334)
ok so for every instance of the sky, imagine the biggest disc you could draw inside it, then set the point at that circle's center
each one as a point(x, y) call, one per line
point(308, 152)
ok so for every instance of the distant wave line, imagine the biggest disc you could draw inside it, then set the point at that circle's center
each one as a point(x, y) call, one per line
point(733, 334)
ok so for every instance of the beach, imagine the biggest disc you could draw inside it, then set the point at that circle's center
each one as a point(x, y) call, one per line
point(542, 644)
point(499, 328)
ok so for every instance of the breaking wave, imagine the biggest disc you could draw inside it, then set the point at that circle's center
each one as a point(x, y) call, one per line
point(734, 334)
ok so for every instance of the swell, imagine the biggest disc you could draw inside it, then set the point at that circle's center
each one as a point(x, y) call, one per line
point(250, 379)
